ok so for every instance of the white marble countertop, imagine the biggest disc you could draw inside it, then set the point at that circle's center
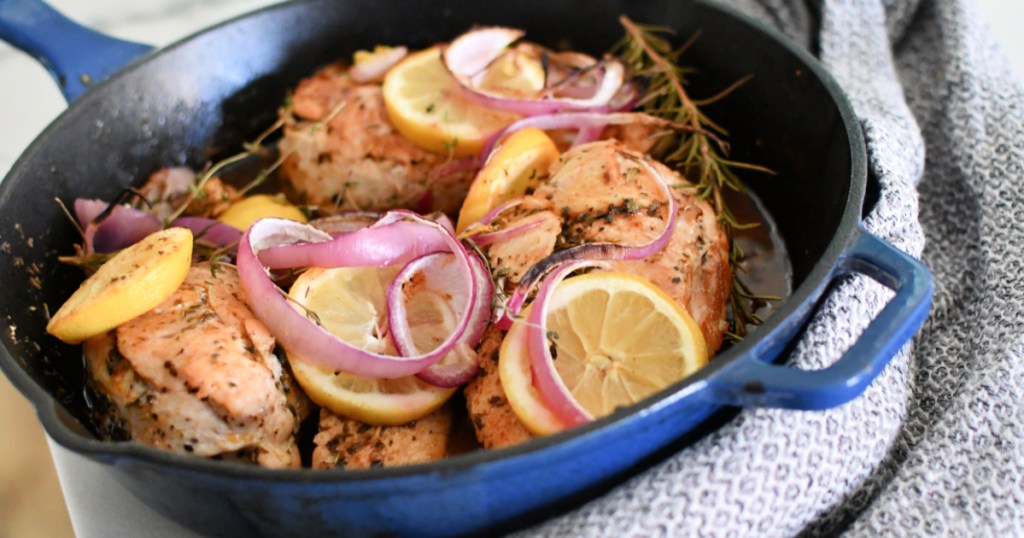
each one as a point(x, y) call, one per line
point(30, 503)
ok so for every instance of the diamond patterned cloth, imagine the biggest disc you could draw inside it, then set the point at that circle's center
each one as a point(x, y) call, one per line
point(935, 446)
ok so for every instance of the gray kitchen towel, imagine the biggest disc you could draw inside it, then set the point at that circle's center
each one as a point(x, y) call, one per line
point(935, 446)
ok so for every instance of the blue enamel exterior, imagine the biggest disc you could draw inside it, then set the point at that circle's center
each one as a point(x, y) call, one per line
point(76, 57)
point(752, 381)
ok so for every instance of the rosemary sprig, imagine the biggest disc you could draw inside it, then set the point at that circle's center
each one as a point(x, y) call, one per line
point(700, 153)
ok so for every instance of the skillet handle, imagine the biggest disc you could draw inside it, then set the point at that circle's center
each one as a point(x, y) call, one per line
point(76, 57)
point(754, 382)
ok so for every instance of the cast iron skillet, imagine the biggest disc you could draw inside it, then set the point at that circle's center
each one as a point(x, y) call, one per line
point(203, 96)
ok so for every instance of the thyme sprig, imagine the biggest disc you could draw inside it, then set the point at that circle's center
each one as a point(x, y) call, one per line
point(249, 150)
point(700, 153)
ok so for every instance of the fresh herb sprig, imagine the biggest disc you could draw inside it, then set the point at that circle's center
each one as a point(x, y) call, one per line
point(700, 153)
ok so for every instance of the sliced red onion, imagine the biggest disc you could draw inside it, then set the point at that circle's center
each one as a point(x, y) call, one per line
point(594, 251)
point(306, 339)
point(444, 221)
point(123, 227)
point(374, 246)
point(497, 236)
point(612, 78)
point(552, 390)
point(626, 99)
point(578, 121)
point(209, 231)
point(432, 276)
point(377, 65)
point(469, 55)
point(501, 208)
point(87, 210)
point(587, 135)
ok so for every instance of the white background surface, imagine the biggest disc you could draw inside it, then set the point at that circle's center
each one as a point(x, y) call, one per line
point(30, 503)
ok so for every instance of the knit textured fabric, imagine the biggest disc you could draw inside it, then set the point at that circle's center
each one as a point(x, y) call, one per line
point(935, 446)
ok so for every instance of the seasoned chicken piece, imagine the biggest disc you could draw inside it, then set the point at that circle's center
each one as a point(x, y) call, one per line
point(599, 193)
point(605, 195)
point(357, 160)
point(495, 423)
point(351, 444)
point(197, 374)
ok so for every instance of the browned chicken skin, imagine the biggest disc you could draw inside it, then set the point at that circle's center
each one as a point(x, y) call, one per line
point(357, 160)
point(495, 423)
point(351, 444)
point(198, 375)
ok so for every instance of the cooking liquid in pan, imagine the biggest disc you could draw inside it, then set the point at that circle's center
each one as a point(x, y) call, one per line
point(764, 268)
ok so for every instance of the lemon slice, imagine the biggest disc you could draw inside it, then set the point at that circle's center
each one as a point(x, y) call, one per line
point(517, 382)
point(519, 164)
point(252, 208)
point(350, 303)
point(424, 103)
point(618, 339)
point(136, 280)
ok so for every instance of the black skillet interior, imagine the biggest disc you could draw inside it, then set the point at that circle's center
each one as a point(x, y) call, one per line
point(199, 100)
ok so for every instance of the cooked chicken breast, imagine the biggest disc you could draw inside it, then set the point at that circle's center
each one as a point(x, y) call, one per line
point(198, 375)
point(351, 444)
point(604, 195)
point(495, 423)
point(598, 192)
point(357, 160)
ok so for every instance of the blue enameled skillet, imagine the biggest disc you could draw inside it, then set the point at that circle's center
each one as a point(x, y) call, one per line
point(200, 98)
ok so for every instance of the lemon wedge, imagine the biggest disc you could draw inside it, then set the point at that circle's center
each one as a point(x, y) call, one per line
point(425, 104)
point(252, 208)
point(618, 339)
point(350, 303)
point(520, 163)
point(136, 280)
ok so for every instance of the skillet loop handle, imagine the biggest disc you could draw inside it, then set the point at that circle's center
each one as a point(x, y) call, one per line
point(76, 57)
point(754, 382)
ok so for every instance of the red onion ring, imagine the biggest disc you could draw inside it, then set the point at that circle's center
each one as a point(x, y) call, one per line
point(612, 79)
point(122, 228)
point(593, 251)
point(303, 337)
point(87, 210)
point(587, 134)
point(444, 221)
point(552, 390)
point(500, 208)
point(374, 246)
point(209, 231)
point(438, 271)
point(469, 55)
point(573, 120)
point(486, 238)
